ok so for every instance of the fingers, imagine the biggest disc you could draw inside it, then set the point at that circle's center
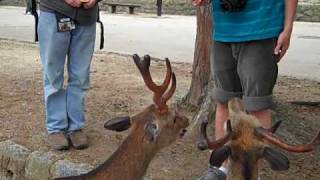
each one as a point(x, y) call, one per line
point(281, 50)
point(282, 44)
point(278, 48)
point(74, 3)
point(89, 4)
point(78, 3)
point(281, 53)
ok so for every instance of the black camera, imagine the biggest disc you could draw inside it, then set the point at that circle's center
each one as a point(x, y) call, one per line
point(233, 5)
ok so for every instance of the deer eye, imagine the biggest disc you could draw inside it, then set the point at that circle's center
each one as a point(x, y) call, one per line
point(152, 126)
point(151, 131)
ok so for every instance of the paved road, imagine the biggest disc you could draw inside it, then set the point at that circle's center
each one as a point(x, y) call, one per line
point(172, 37)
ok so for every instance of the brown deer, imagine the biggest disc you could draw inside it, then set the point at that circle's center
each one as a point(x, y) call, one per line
point(151, 130)
point(245, 142)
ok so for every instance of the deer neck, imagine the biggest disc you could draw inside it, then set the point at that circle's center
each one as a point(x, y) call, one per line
point(129, 161)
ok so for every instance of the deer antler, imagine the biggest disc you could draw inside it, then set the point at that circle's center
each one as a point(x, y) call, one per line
point(171, 91)
point(274, 127)
point(160, 99)
point(205, 143)
point(266, 134)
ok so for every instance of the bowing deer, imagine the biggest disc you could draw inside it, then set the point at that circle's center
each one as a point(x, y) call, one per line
point(245, 142)
point(156, 127)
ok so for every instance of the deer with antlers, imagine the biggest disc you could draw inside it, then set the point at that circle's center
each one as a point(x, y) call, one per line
point(245, 142)
point(156, 127)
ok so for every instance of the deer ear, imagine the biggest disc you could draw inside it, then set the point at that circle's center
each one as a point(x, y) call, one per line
point(219, 156)
point(151, 131)
point(277, 160)
point(118, 124)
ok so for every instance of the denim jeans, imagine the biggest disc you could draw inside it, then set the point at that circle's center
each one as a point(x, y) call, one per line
point(65, 105)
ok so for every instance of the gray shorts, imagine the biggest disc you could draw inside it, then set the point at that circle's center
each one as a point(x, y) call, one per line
point(248, 70)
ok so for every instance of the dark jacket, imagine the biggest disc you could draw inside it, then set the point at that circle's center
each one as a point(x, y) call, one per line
point(81, 15)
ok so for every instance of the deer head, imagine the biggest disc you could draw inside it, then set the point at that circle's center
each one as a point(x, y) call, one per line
point(245, 142)
point(156, 126)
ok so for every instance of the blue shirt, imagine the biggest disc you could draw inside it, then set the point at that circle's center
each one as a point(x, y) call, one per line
point(260, 19)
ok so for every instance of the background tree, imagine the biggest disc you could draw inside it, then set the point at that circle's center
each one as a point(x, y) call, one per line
point(198, 96)
point(159, 7)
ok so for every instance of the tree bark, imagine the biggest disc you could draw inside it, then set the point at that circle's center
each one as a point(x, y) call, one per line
point(199, 96)
point(201, 64)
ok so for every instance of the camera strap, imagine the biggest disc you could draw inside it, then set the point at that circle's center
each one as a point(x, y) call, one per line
point(101, 30)
point(233, 5)
point(32, 7)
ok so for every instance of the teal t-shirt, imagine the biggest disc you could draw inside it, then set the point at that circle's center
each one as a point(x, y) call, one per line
point(260, 19)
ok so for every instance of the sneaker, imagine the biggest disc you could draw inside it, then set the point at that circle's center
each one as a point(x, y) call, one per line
point(58, 141)
point(213, 173)
point(78, 139)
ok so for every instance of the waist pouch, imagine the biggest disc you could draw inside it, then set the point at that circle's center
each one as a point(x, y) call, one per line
point(64, 23)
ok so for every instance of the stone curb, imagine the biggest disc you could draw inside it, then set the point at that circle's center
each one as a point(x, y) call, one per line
point(19, 163)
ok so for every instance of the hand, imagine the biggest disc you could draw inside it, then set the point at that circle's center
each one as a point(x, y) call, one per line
point(283, 44)
point(200, 2)
point(74, 3)
point(89, 4)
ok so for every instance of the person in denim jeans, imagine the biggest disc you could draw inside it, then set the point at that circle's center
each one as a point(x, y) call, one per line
point(72, 45)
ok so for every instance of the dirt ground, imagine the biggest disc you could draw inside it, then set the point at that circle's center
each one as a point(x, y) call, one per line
point(117, 89)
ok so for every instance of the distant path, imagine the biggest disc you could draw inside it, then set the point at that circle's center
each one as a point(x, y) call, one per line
point(172, 37)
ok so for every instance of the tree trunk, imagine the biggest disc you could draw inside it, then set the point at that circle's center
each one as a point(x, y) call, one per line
point(199, 93)
point(201, 63)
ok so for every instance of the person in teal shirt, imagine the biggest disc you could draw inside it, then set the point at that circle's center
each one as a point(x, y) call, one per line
point(247, 45)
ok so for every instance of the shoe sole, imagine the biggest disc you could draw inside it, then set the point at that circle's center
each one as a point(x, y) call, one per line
point(80, 147)
point(61, 148)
